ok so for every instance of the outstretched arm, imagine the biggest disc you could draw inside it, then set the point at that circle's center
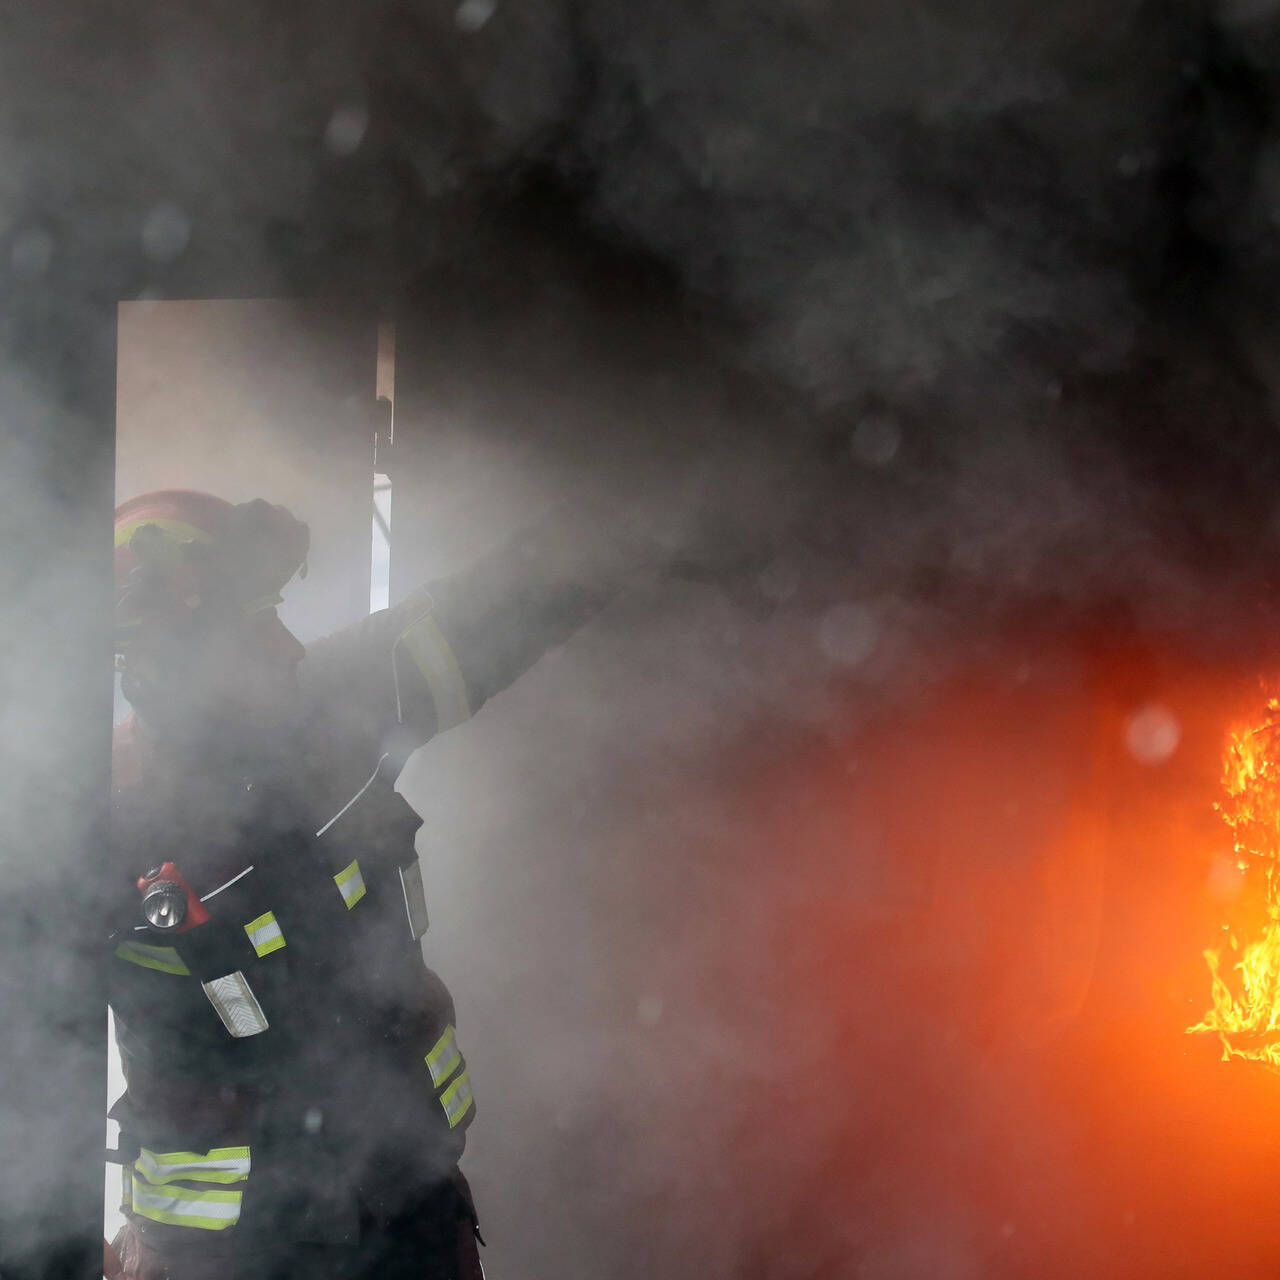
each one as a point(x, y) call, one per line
point(430, 662)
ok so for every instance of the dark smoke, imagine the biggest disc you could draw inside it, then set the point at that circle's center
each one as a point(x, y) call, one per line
point(909, 319)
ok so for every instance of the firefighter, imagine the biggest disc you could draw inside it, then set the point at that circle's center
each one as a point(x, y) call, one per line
point(297, 1093)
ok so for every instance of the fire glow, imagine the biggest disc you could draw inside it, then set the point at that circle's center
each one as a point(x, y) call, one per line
point(1246, 995)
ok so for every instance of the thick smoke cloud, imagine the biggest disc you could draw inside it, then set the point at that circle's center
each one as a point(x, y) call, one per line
point(974, 320)
point(889, 192)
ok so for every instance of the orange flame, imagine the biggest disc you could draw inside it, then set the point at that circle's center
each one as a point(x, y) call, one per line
point(1246, 1006)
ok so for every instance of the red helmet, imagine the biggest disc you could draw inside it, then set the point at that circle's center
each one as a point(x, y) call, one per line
point(177, 550)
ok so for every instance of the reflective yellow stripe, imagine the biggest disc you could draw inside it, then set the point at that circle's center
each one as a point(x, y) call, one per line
point(351, 883)
point(265, 934)
point(457, 1099)
point(186, 1206)
point(175, 528)
point(220, 1164)
point(444, 1057)
point(162, 959)
point(434, 658)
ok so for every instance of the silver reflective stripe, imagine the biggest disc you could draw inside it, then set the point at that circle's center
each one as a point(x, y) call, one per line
point(431, 654)
point(186, 1206)
point(444, 1057)
point(351, 882)
point(236, 1004)
point(373, 777)
point(457, 1099)
point(415, 899)
point(161, 959)
point(221, 1164)
point(264, 933)
point(213, 893)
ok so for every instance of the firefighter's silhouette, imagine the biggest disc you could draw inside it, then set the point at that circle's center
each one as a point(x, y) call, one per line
point(298, 1095)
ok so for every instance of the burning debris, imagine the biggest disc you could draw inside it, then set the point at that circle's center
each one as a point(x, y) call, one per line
point(1246, 1008)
